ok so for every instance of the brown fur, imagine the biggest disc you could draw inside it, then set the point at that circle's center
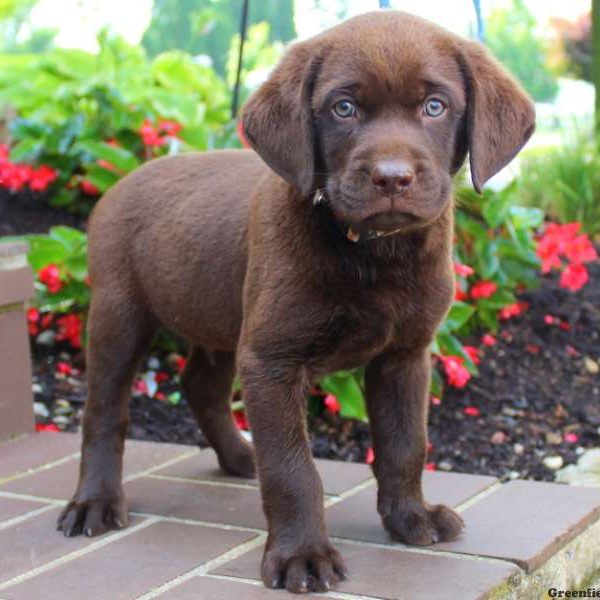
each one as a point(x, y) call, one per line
point(230, 253)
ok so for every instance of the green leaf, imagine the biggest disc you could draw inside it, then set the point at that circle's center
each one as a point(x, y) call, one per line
point(43, 250)
point(121, 158)
point(100, 177)
point(348, 392)
point(72, 239)
point(459, 314)
point(526, 218)
point(496, 209)
point(62, 198)
point(486, 252)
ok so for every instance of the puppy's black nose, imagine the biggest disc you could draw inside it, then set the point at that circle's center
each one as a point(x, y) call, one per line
point(391, 177)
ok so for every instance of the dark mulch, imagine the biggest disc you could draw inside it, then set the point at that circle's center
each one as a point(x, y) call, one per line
point(538, 395)
point(29, 212)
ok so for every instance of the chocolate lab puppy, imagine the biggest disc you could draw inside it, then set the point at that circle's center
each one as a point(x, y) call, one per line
point(327, 247)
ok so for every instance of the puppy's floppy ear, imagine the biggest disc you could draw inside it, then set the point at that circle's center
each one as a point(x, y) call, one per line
point(277, 119)
point(500, 115)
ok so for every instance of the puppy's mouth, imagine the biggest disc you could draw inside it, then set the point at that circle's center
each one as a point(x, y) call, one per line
point(381, 225)
point(369, 226)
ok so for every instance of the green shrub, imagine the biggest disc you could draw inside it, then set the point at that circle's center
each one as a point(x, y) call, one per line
point(94, 118)
point(510, 35)
point(564, 181)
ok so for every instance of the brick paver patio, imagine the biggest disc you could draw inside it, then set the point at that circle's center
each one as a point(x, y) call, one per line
point(196, 534)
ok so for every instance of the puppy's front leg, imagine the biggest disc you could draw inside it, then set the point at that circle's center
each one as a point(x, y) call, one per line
point(397, 398)
point(298, 555)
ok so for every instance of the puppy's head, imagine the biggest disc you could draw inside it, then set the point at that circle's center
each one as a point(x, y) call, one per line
point(380, 112)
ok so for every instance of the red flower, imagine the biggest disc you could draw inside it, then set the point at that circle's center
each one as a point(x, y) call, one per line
point(532, 348)
point(88, 188)
point(180, 363)
point(550, 319)
point(46, 427)
point(50, 277)
point(512, 310)
point(332, 404)
point(488, 340)
point(161, 376)
point(150, 135)
point(580, 250)
point(430, 466)
point(370, 456)
point(70, 328)
point(472, 411)
point(572, 438)
point(42, 177)
point(463, 270)
point(459, 294)
point(33, 317)
point(15, 177)
point(435, 401)
point(472, 353)
point(63, 368)
point(140, 386)
point(574, 277)
point(483, 289)
point(456, 374)
point(170, 128)
point(240, 420)
point(3, 153)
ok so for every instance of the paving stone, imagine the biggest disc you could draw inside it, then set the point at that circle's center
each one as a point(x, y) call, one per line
point(211, 588)
point(33, 542)
point(526, 521)
point(131, 565)
point(337, 476)
point(35, 449)
point(13, 507)
point(356, 517)
point(60, 481)
point(198, 501)
point(397, 573)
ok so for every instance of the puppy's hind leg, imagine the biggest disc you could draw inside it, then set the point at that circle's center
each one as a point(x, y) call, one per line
point(119, 331)
point(207, 383)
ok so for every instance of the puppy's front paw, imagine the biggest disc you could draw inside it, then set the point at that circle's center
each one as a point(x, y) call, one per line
point(307, 568)
point(419, 524)
point(93, 516)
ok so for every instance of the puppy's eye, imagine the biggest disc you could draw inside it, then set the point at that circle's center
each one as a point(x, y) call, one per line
point(344, 109)
point(434, 107)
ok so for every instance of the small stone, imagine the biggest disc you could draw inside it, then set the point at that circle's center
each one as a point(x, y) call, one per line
point(498, 437)
point(553, 438)
point(519, 448)
point(46, 338)
point(62, 407)
point(37, 388)
point(553, 462)
point(514, 475)
point(61, 420)
point(153, 363)
point(591, 366)
point(41, 410)
point(445, 466)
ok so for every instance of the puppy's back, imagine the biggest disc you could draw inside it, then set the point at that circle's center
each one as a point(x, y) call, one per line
point(177, 226)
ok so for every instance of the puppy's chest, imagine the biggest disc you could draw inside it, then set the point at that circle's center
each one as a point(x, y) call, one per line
point(365, 327)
